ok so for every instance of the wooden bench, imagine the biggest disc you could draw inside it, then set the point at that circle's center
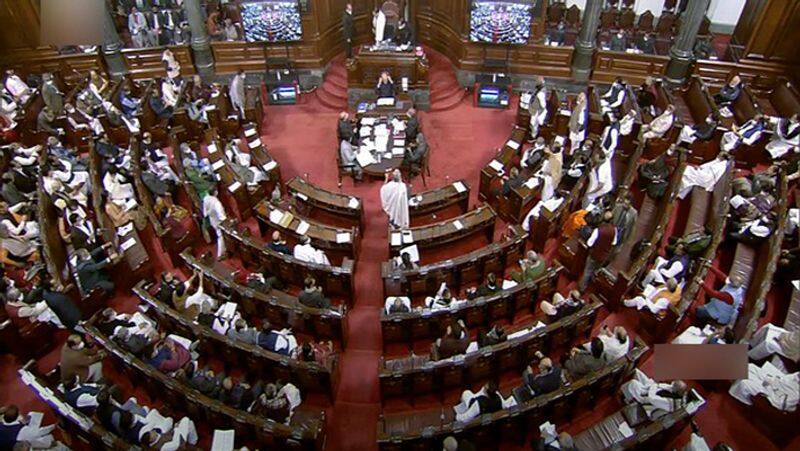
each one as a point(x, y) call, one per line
point(477, 221)
point(128, 244)
point(235, 187)
point(708, 210)
point(310, 196)
point(504, 158)
point(455, 272)
point(427, 324)
point(162, 232)
point(426, 429)
point(433, 201)
point(336, 239)
point(259, 362)
point(419, 375)
point(279, 307)
point(260, 156)
point(693, 105)
point(650, 434)
point(72, 422)
point(761, 268)
point(782, 101)
point(305, 431)
point(253, 250)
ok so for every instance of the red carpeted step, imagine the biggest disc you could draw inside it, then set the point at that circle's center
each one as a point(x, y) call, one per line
point(330, 99)
point(337, 81)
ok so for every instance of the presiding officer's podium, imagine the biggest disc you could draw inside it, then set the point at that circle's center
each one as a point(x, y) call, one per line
point(364, 69)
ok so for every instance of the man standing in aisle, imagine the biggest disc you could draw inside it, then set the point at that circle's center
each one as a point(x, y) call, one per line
point(347, 29)
point(394, 200)
point(237, 92)
point(214, 213)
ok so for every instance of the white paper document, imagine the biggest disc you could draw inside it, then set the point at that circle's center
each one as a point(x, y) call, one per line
point(513, 144)
point(458, 225)
point(234, 186)
point(343, 237)
point(459, 187)
point(408, 237)
point(227, 310)
point(625, 429)
point(368, 120)
point(396, 239)
point(250, 132)
point(223, 440)
point(303, 227)
point(365, 158)
point(270, 166)
point(212, 148)
point(256, 143)
point(354, 203)
point(496, 165)
point(509, 284)
point(128, 244)
point(217, 165)
point(532, 182)
point(386, 101)
point(124, 230)
point(275, 216)
point(398, 151)
point(365, 131)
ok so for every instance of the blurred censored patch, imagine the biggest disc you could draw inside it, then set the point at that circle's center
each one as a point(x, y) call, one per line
point(700, 362)
point(72, 22)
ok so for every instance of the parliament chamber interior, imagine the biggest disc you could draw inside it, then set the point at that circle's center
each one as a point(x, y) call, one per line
point(400, 225)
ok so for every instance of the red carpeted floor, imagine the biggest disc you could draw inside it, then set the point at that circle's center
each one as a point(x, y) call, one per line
point(462, 138)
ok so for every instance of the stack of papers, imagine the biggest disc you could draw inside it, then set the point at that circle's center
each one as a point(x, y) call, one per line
point(126, 229)
point(496, 165)
point(398, 151)
point(365, 158)
point(381, 143)
point(275, 216)
point(303, 227)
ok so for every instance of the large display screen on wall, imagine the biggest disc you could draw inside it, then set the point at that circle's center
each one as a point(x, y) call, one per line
point(501, 22)
point(271, 21)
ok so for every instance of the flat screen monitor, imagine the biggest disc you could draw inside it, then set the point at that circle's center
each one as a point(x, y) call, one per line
point(501, 22)
point(271, 21)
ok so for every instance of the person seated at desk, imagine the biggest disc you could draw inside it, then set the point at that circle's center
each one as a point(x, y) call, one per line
point(15, 429)
point(489, 287)
point(729, 93)
point(277, 402)
point(278, 244)
point(657, 296)
point(619, 42)
point(547, 380)
point(647, 44)
point(130, 104)
point(398, 306)
point(786, 137)
point(750, 132)
point(242, 332)
point(311, 296)
point(79, 361)
point(91, 268)
point(347, 157)
point(495, 335)
point(412, 125)
point(703, 49)
point(616, 343)
point(723, 306)
point(582, 362)
point(557, 34)
point(562, 306)
point(238, 394)
point(415, 155)
point(771, 339)
point(404, 36)
point(344, 127)
point(487, 400)
point(703, 131)
point(279, 341)
point(454, 342)
point(530, 268)
point(660, 125)
point(82, 395)
point(615, 96)
point(304, 251)
point(170, 355)
point(661, 398)
point(405, 263)
point(385, 87)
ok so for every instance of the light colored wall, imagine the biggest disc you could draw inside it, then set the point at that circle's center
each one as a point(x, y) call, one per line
point(724, 14)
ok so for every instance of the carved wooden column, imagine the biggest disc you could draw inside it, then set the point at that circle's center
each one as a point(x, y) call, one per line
point(681, 53)
point(586, 43)
point(112, 45)
point(201, 43)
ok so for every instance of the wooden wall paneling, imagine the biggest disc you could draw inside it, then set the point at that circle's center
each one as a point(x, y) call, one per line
point(146, 63)
point(636, 67)
point(21, 24)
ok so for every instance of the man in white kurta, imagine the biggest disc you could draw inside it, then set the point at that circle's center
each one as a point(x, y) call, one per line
point(394, 200)
point(781, 389)
point(379, 24)
point(785, 138)
point(650, 394)
point(17, 88)
point(771, 339)
point(236, 92)
point(601, 181)
point(214, 212)
point(706, 175)
point(659, 126)
point(306, 252)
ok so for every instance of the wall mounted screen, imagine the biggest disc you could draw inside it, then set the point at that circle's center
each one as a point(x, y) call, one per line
point(501, 22)
point(271, 21)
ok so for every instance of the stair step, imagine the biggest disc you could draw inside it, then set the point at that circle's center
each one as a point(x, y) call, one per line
point(337, 82)
point(334, 91)
point(330, 101)
point(446, 104)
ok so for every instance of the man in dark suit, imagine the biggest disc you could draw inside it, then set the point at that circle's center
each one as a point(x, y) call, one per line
point(91, 269)
point(278, 244)
point(583, 362)
point(66, 310)
point(53, 97)
point(347, 29)
point(548, 379)
point(412, 126)
point(345, 126)
point(82, 233)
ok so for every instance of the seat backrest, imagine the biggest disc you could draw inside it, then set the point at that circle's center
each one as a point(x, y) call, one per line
point(626, 19)
point(573, 15)
point(646, 21)
point(743, 263)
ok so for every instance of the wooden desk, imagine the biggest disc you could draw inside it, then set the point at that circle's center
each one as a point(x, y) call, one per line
point(364, 70)
point(396, 139)
point(253, 250)
point(435, 200)
point(337, 204)
point(322, 236)
point(479, 220)
point(504, 158)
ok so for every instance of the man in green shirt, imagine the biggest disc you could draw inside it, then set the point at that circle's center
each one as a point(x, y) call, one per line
point(530, 268)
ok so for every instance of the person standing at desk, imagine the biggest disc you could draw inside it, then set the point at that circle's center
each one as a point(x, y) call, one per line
point(385, 86)
point(347, 29)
